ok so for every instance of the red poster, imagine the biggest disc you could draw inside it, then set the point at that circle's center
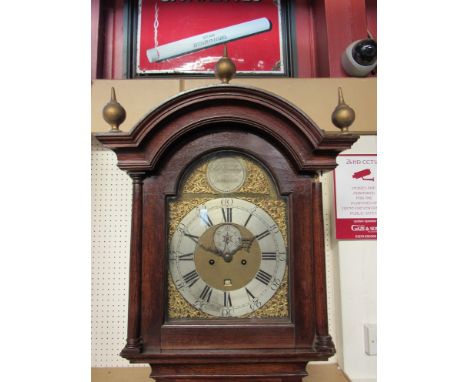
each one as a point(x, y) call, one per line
point(356, 197)
point(188, 36)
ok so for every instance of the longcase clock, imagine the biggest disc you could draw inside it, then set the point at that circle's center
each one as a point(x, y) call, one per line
point(227, 262)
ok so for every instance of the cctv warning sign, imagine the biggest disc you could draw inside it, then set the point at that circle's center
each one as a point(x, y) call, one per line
point(355, 181)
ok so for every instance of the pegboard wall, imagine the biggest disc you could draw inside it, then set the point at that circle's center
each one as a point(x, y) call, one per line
point(111, 191)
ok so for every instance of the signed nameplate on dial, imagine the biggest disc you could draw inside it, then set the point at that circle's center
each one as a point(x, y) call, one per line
point(226, 174)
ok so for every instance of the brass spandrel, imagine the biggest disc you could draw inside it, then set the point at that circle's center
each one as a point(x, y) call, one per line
point(276, 208)
point(178, 307)
point(196, 182)
point(277, 306)
point(256, 181)
point(178, 209)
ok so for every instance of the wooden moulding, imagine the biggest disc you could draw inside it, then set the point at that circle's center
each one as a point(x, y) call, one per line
point(246, 108)
point(268, 371)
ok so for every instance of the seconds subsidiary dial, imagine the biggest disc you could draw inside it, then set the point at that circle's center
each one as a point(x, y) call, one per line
point(227, 257)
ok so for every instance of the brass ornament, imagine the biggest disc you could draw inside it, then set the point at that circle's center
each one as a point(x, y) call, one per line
point(277, 306)
point(178, 209)
point(225, 68)
point(343, 116)
point(196, 182)
point(178, 307)
point(276, 208)
point(256, 182)
point(113, 113)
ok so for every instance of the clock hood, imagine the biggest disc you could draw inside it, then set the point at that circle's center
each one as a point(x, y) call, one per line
point(245, 109)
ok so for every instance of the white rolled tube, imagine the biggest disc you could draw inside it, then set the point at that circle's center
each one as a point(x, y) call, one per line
point(208, 39)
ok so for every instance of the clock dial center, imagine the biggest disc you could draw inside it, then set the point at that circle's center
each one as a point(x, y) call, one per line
point(227, 239)
point(220, 256)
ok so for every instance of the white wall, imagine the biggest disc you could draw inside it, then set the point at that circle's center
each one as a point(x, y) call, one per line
point(355, 269)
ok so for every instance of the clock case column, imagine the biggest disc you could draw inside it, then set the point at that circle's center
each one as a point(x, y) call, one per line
point(134, 345)
point(294, 149)
point(323, 341)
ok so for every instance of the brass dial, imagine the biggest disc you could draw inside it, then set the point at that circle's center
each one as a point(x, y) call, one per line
point(226, 267)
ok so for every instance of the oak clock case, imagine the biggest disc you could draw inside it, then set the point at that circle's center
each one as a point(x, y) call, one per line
point(227, 255)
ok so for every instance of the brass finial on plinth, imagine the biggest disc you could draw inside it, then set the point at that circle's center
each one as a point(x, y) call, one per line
point(343, 116)
point(113, 113)
point(225, 68)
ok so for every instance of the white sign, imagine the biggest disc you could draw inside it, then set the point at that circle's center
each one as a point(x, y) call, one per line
point(356, 197)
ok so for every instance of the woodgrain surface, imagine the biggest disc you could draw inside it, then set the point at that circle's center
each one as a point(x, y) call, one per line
point(317, 373)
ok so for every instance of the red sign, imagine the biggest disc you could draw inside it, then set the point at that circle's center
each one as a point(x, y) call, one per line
point(188, 36)
point(356, 197)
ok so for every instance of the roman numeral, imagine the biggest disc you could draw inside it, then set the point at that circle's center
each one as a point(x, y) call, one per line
point(227, 215)
point(247, 221)
point(268, 255)
point(191, 278)
point(227, 299)
point(192, 237)
point(249, 294)
point(206, 293)
point(263, 277)
point(186, 257)
point(206, 219)
point(260, 236)
point(246, 243)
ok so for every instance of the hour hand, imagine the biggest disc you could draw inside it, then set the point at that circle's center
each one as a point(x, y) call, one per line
point(209, 249)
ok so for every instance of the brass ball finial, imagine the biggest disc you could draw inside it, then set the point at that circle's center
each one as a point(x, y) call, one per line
point(113, 113)
point(343, 116)
point(225, 68)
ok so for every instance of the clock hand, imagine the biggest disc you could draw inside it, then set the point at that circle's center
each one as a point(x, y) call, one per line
point(213, 251)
